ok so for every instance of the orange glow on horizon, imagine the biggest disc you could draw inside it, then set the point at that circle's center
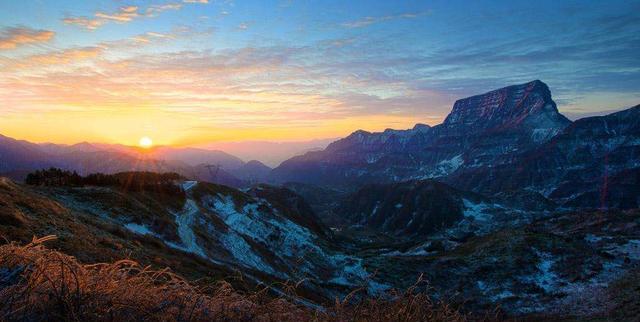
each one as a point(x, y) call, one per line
point(175, 129)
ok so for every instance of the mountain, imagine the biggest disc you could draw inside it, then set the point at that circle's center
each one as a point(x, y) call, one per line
point(252, 171)
point(268, 152)
point(211, 229)
point(112, 162)
point(407, 208)
point(353, 160)
point(16, 156)
point(189, 156)
point(483, 256)
point(511, 140)
point(193, 156)
point(417, 209)
point(60, 149)
point(522, 109)
point(220, 176)
point(595, 160)
point(322, 200)
point(480, 130)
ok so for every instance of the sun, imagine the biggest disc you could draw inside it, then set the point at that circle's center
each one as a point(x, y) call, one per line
point(145, 142)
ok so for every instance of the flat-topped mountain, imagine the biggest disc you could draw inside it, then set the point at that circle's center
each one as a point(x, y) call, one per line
point(480, 129)
point(523, 107)
point(512, 138)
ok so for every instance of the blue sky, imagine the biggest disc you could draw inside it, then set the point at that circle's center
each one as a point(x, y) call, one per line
point(288, 70)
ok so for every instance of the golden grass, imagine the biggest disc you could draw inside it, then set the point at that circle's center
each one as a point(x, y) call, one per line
point(39, 284)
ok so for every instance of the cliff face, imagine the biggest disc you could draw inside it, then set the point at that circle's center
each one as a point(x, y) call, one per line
point(525, 107)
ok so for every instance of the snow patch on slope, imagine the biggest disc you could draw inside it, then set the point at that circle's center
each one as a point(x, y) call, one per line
point(184, 220)
point(285, 239)
point(545, 278)
point(353, 270)
point(543, 135)
point(477, 211)
point(284, 235)
point(139, 229)
point(187, 185)
point(242, 251)
point(445, 167)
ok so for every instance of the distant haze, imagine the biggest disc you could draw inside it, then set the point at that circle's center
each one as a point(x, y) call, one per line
point(269, 153)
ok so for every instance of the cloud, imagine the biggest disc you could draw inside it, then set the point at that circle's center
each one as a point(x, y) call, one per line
point(196, 1)
point(84, 22)
point(366, 21)
point(66, 56)
point(148, 37)
point(14, 37)
point(122, 15)
point(342, 42)
point(55, 59)
point(152, 11)
point(248, 86)
point(344, 78)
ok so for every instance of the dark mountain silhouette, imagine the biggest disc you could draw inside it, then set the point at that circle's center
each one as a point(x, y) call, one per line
point(252, 171)
point(193, 156)
point(18, 158)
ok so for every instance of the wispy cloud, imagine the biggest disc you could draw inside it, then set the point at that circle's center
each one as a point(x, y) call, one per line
point(196, 1)
point(55, 58)
point(84, 22)
point(152, 11)
point(122, 15)
point(366, 21)
point(14, 37)
point(148, 37)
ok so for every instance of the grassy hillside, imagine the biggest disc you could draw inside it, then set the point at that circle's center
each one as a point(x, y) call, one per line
point(40, 284)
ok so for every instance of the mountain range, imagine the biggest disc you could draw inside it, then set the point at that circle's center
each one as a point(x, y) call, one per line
point(512, 139)
point(508, 140)
point(506, 203)
point(18, 157)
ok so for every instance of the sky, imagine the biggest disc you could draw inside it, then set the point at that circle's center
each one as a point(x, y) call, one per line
point(192, 72)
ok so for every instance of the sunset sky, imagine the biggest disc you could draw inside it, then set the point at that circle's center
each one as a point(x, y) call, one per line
point(196, 71)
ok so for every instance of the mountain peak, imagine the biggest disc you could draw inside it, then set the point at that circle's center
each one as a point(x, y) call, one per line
point(528, 104)
point(255, 164)
point(420, 127)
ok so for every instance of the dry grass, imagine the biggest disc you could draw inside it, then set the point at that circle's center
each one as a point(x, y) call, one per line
point(38, 284)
